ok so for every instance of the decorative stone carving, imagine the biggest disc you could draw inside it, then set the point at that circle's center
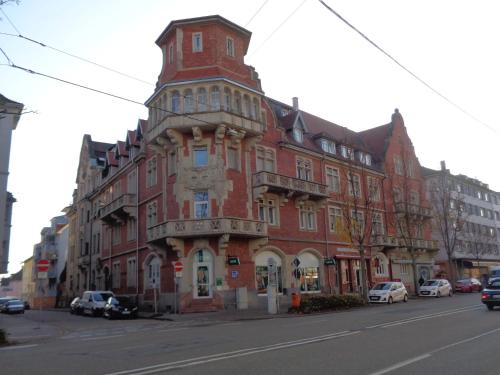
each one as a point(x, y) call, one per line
point(175, 137)
point(251, 142)
point(223, 242)
point(220, 133)
point(197, 134)
point(177, 245)
point(236, 137)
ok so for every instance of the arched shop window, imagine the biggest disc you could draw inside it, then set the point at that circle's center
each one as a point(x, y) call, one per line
point(309, 273)
point(261, 271)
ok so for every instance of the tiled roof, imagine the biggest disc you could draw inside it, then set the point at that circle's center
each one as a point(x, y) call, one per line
point(377, 139)
point(122, 149)
point(111, 159)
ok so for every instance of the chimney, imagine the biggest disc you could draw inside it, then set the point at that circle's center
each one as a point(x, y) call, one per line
point(443, 165)
point(295, 101)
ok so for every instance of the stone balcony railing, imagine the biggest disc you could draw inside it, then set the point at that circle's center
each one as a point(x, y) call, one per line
point(413, 209)
point(205, 121)
point(123, 206)
point(418, 243)
point(383, 240)
point(207, 228)
point(280, 183)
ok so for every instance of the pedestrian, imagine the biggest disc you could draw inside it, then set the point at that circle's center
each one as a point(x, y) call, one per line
point(421, 280)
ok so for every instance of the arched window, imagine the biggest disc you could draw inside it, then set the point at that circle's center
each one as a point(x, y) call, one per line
point(153, 273)
point(262, 274)
point(202, 274)
point(308, 273)
point(215, 98)
point(227, 100)
point(237, 103)
point(175, 102)
point(247, 104)
point(188, 101)
point(202, 100)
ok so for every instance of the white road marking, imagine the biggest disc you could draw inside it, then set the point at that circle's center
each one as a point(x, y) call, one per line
point(401, 364)
point(429, 354)
point(102, 338)
point(427, 316)
point(18, 347)
point(171, 329)
point(316, 321)
point(237, 353)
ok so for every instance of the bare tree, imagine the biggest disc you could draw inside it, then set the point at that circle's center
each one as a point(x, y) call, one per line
point(357, 212)
point(449, 214)
point(408, 216)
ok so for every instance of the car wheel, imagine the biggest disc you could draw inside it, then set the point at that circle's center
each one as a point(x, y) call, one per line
point(94, 313)
point(438, 295)
point(389, 301)
point(405, 298)
point(490, 306)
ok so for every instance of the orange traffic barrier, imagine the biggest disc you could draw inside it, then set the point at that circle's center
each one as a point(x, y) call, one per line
point(296, 300)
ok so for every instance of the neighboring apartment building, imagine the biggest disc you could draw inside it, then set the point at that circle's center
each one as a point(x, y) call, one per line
point(478, 242)
point(10, 113)
point(223, 179)
point(28, 283)
point(12, 286)
point(52, 247)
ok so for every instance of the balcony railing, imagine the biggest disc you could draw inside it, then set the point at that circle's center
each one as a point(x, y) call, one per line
point(413, 209)
point(383, 240)
point(418, 243)
point(208, 227)
point(205, 121)
point(121, 207)
point(278, 182)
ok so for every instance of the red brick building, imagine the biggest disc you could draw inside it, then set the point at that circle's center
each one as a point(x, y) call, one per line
point(223, 178)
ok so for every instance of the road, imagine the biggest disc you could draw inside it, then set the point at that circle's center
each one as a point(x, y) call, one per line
point(455, 335)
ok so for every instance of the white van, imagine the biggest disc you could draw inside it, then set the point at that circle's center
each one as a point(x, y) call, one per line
point(93, 301)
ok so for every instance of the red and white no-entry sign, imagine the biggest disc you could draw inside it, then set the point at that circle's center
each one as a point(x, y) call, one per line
point(178, 266)
point(42, 265)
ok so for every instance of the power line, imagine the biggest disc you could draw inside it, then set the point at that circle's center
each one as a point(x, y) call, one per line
point(19, 35)
point(407, 70)
point(257, 12)
point(8, 19)
point(107, 93)
point(279, 26)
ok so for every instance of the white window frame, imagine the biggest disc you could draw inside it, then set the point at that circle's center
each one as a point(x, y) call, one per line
point(373, 188)
point(328, 146)
point(203, 203)
point(197, 41)
point(265, 159)
point(356, 185)
point(230, 46)
point(304, 168)
point(195, 160)
point(116, 279)
point(298, 134)
point(151, 172)
point(131, 229)
point(268, 211)
point(377, 224)
point(332, 178)
point(307, 218)
point(131, 272)
point(335, 219)
point(152, 213)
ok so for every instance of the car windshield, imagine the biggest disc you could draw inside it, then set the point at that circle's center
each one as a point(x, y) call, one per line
point(98, 297)
point(430, 283)
point(15, 303)
point(494, 284)
point(382, 286)
point(466, 282)
point(125, 301)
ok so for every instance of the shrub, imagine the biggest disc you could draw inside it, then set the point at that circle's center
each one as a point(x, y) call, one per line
point(324, 302)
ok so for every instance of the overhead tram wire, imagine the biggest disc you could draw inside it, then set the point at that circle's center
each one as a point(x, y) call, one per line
point(257, 12)
point(408, 70)
point(19, 35)
point(279, 27)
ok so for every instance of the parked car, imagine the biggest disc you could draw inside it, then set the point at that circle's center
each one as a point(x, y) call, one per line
point(93, 301)
point(120, 307)
point(388, 292)
point(75, 307)
point(26, 304)
point(468, 285)
point(4, 300)
point(491, 294)
point(13, 306)
point(435, 288)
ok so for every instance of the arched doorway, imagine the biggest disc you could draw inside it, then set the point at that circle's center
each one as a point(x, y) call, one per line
point(203, 274)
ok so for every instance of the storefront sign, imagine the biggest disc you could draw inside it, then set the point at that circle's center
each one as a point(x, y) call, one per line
point(233, 261)
point(330, 262)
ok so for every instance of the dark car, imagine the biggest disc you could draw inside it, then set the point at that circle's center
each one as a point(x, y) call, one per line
point(468, 285)
point(4, 300)
point(75, 307)
point(120, 307)
point(491, 294)
point(13, 306)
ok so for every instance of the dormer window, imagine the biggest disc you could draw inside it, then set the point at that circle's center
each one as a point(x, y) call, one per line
point(328, 146)
point(197, 42)
point(230, 46)
point(347, 152)
point(298, 134)
point(368, 159)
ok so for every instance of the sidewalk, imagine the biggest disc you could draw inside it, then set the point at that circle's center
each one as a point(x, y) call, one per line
point(217, 316)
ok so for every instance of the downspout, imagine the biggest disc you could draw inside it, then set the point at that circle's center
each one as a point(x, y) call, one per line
point(90, 248)
point(137, 232)
point(386, 223)
point(323, 181)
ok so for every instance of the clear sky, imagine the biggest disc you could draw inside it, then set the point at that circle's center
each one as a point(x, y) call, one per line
point(336, 74)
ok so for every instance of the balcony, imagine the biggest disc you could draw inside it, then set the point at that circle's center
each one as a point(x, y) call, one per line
point(207, 228)
point(289, 185)
point(119, 209)
point(83, 261)
point(384, 241)
point(413, 209)
point(420, 244)
point(205, 121)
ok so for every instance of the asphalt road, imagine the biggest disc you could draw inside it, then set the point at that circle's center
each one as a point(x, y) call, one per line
point(455, 335)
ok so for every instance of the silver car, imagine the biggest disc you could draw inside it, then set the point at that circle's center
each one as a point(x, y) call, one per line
point(388, 292)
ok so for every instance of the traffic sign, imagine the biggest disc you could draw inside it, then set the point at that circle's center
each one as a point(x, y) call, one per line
point(42, 265)
point(178, 266)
